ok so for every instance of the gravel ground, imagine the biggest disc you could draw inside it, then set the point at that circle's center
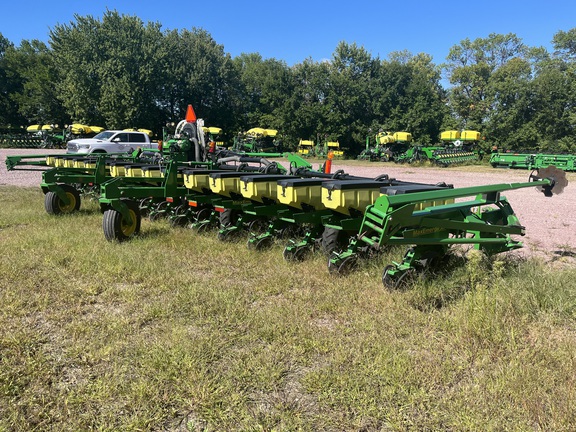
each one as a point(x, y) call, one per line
point(20, 177)
point(550, 224)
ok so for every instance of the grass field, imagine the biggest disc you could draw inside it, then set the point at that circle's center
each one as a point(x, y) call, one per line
point(178, 331)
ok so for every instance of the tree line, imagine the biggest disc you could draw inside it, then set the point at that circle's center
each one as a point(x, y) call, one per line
point(120, 72)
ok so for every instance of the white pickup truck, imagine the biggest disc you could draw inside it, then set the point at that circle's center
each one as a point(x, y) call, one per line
point(111, 141)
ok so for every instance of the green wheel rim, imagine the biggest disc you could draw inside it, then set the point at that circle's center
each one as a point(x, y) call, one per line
point(129, 228)
point(68, 208)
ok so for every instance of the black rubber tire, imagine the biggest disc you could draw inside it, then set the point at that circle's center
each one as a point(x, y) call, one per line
point(228, 217)
point(115, 229)
point(333, 240)
point(55, 206)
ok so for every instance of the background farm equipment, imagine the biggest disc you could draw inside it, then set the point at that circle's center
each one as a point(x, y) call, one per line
point(212, 134)
point(36, 136)
point(480, 217)
point(323, 149)
point(531, 161)
point(47, 136)
point(386, 146)
point(456, 148)
point(258, 140)
point(306, 148)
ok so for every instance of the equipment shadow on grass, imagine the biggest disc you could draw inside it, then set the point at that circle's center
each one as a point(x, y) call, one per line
point(439, 287)
point(151, 233)
point(87, 211)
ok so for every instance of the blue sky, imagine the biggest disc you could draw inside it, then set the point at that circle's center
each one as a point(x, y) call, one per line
point(295, 30)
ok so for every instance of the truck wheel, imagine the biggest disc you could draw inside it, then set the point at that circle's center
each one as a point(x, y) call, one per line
point(55, 206)
point(114, 226)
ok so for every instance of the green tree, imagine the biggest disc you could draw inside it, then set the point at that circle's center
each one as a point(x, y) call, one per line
point(469, 69)
point(36, 96)
point(198, 72)
point(76, 51)
point(563, 136)
point(129, 68)
point(564, 43)
point(414, 97)
point(306, 115)
point(110, 70)
point(351, 94)
point(510, 120)
point(10, 83)
point(554, 110)
point(265, 88)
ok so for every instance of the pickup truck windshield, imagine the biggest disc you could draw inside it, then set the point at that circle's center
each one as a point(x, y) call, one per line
point(104, 135)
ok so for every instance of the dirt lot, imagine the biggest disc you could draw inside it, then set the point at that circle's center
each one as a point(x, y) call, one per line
point(550, 224)
point(21, 178)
